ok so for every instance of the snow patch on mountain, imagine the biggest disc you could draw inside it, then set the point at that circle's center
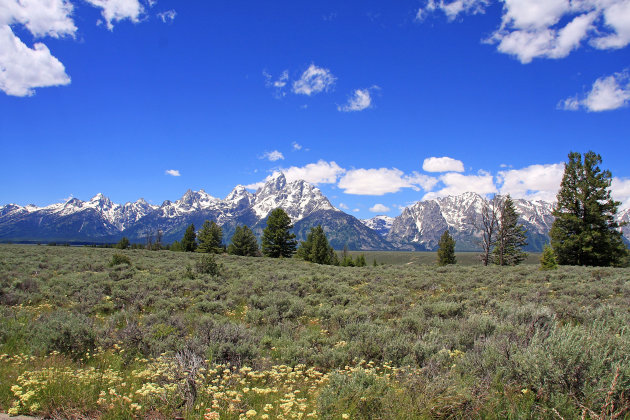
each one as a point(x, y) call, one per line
point(381, 224)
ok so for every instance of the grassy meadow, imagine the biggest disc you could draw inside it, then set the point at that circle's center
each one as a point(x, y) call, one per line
point(160, 336)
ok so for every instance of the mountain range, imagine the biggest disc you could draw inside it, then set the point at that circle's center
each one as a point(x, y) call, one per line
point(419, 227)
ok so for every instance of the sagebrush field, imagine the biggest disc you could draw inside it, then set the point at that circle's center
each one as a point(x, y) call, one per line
point(155, 336)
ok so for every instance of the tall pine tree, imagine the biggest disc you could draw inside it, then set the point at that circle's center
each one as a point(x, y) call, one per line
point(317, 249)
point(243, 242)
point(585, 231)
point(510, 237)
point(189, 241)
point(446, 249)
point(210, 238)
point(277, 240)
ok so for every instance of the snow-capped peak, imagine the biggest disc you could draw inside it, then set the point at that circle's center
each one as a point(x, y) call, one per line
point(297, 198)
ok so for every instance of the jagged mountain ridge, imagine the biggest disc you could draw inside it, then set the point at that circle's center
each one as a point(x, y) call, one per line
point(420, 225)
point(417, 228)
point(100, 220)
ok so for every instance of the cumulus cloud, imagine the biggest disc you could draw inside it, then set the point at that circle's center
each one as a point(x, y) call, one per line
point(117, 10)
point(296, 146)
point(379, 208)
point(360, 99)
point(531, 29)
point(620, 190)
point(172, 172)
point(442, 164)
point(608, 93)
point(24, 68)
point(314, 80)
point(273, 156)
point(41, 17)
point(167, 16)
point(456, 184)
point(344, 206)
point(382, 181)
point(321, 172)
point(534, 182)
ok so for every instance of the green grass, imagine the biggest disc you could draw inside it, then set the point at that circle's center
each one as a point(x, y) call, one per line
point(86, 331)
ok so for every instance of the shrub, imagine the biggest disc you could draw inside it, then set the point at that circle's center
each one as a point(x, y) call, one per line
point(361, 395)
point(66, 332)
point(208, 265)
point(118, 259)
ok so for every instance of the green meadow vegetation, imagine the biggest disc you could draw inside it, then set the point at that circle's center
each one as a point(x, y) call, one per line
point(109, 333)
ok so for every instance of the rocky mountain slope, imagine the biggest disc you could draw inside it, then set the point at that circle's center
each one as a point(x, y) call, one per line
point(419, 227)
point(100, 220)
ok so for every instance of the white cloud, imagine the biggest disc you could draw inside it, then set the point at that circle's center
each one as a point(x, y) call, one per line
point(314, 80)
point(534, 182)
point(620, 189)
point(273, 156)
point(356, 210)
point(40, 17)
point(167, 16)
point(172, 172)
point(255, 186)
point(344, 206)
point(321, 172)
point(24, 68)
point(360, 100)
point(452, 8)
point(117, 10)
point(442, 164)
point(379, 208)
point(608, 93)
point(279, 84)
point(547, 28)
point(456, 184)
point(382, 181)
point(296, 146)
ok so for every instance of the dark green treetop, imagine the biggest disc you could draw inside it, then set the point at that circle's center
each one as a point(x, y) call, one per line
point(277, 240)
point(210, 238)
point(243, 242)
point(446, 249)
point(189, 241)
point(317, 249)
point(585, 231)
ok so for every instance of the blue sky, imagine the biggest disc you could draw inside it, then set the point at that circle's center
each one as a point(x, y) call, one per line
point(376, 102)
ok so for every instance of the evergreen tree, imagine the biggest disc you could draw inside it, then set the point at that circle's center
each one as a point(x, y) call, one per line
point(277, 240)
point(510, 238)
point(243, 242)
point(360, 261)
point(585, 231)
point(446, 249)
point(189, 241)
point(316, 248)
point(176, 246)
point(210, 238)
point(123, 243)
point(548, 259)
